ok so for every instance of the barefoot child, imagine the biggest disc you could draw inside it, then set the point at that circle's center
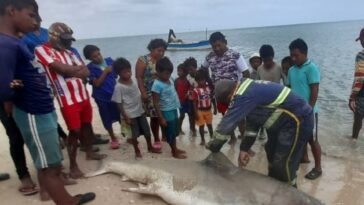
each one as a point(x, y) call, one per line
point(190, 65)
point(202, 105)
point(183, 87)
point(129, 101)
point(103, 80)
point(166, 103)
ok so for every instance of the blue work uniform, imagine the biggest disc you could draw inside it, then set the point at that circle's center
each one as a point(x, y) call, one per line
point(287, 118)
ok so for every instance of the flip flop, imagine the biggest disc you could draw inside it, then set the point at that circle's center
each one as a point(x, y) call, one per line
point(100, 141)
point(114, 144)
point(85, 198)
point(313, 174)
point(4, 176)
point(157, 145)
point(94, 149)
point(28, 191)
point(98, 157)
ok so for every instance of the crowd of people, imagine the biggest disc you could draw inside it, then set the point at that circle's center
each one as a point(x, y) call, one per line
point(264, 99)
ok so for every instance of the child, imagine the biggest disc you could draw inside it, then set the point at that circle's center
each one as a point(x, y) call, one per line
point(190, 64)
point(202, 105)
point(255, 61)
point(166, 103)
point(183, 87)
point(129, 101)
point(304, 79)
point(33, 109)
point(102, 78)
point(286, 64)
point(269, 70)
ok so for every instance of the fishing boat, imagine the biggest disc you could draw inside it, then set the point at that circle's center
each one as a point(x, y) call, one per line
point(175, 44)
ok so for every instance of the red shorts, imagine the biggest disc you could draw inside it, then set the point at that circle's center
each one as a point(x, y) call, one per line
point(77, 114)
point(222, 108)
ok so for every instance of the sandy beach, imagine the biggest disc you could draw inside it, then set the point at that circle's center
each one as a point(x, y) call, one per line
point(341, 183)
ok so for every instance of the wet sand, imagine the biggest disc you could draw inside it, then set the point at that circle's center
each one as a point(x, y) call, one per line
point(342, 181)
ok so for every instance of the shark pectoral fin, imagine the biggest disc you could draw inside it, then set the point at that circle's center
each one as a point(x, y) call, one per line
point(100, 171)
point(97, 173)
point(142, 189)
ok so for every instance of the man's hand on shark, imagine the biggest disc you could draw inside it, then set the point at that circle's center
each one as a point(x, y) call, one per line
point(244, 158)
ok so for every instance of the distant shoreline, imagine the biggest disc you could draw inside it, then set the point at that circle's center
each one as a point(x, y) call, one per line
point(223, 29)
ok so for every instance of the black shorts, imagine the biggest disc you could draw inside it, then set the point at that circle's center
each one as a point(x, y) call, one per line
point(139, 126)
point(359, 106)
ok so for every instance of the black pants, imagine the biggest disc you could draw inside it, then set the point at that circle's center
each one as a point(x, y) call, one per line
point(285, 146)
point(16, 144)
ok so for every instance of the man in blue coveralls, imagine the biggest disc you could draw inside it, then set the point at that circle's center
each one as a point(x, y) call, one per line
point(287, 118)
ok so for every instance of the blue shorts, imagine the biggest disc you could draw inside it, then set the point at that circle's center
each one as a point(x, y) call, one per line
point(109, 113)
point(41, 137)
point(170, 131)
point(186, 107)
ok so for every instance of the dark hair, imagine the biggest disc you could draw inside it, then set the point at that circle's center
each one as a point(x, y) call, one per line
point(18, 4)
point(191, 61)
point(164, 64)
point(121, 64)
point(217, 36)
point(88, 50)
point(300, 45)
point(183, 68)
point(201, 75)
point(266, 51)
point(157, 43)
point(288, 60)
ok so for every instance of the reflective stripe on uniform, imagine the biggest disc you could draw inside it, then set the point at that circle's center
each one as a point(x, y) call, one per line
point(281, 97)
point(243, 86)
point(273, 118)
point(298, 124)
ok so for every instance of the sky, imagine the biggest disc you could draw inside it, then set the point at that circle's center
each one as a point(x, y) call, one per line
point(110, 18)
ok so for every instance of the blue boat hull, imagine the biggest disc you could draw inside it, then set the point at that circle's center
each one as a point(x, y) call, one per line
point(202, 45)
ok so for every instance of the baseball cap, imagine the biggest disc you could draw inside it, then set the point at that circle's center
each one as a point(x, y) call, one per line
point(60, 31)
point(361, 35)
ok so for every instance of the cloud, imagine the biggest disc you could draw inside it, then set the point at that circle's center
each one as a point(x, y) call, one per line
point(94, 18)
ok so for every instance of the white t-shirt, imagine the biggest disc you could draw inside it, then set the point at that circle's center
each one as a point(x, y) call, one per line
point(130, 96)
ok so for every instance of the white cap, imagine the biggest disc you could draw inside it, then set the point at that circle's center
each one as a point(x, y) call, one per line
point(254, 55)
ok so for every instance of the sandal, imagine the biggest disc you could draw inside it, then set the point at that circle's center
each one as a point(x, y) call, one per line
point(4, 176)
point(97, 157)
point(157, 145)
point(114, 144)
point(28, 191)
point(313, 174)
point(85, 198)
point(94, 149)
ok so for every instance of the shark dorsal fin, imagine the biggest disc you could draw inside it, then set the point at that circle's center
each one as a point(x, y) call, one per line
point(221, 163)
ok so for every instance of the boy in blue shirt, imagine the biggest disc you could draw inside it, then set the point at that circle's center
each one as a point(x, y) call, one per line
point(167, 104)
point(103, 81)
point(31, 105)
point(304, 79)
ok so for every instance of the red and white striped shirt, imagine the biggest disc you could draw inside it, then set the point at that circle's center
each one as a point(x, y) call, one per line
point(202, 95)
point(68, 90)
